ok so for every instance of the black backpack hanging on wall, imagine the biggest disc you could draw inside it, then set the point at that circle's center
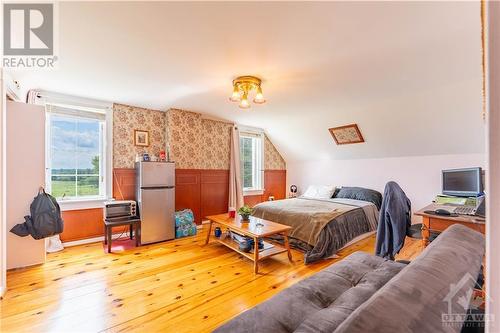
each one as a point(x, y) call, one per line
point(45, 219)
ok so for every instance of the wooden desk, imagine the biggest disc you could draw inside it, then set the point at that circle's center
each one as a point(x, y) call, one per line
point(257, 228)
point(440, 222)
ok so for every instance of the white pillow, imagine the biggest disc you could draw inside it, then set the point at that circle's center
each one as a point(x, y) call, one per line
point(319, 192)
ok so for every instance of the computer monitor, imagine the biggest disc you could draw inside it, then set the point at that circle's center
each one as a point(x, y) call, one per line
point(462, 182)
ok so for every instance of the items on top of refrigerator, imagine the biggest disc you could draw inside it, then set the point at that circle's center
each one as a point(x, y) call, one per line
point(162, 155)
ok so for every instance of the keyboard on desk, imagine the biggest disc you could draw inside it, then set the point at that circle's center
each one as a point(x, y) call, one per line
point(465, 210)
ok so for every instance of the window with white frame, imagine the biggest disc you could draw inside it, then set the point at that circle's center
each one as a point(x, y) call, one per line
point(252, 158)
point(77, 155)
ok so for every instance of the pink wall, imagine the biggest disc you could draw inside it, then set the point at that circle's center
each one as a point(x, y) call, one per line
point(419, 176)
point(25, 173)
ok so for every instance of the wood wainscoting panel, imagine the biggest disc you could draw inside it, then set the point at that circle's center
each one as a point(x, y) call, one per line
point(252, 200)
point(275, 184)
point(214, 192)
point(124, 184)
point(82, 224)
point(188, 191)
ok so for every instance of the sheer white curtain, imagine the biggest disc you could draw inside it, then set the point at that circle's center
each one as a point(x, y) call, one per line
point(235, 189)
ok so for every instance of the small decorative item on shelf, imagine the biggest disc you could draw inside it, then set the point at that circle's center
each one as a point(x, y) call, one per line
point(246, 245)
point(162, 155)
point(293, 191)
point(232, 212)
point(217, 232)
point(245, 213)
point(224, 235)
point(145, 157)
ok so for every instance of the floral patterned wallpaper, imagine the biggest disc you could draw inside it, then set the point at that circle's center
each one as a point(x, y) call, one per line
point(197, 143)
point(183, 138)
point(272, 158)
point(216, 144)
point(126, 119)
point(193, 142)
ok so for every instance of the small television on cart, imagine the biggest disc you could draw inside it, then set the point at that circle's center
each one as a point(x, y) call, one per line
point(465, 182)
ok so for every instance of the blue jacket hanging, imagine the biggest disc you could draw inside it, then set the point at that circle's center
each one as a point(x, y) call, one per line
point(394, 221)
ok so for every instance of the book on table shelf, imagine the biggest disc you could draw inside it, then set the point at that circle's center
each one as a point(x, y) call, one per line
point(238, 238)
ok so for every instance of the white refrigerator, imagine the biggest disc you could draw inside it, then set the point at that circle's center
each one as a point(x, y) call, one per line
point(156, 200)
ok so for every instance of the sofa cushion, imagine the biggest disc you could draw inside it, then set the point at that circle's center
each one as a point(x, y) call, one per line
point(329, 318)
point(415, 299)
point(320, 302)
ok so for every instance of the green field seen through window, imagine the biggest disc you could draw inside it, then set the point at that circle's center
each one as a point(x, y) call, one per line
point(75, 183)
point(68, 188)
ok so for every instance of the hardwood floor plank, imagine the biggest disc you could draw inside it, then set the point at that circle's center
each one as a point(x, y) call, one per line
point(274, 273)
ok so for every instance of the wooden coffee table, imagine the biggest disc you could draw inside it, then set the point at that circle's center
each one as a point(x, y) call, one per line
point(257, 228)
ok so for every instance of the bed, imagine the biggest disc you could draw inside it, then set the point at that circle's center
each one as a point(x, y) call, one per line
point(322, 226)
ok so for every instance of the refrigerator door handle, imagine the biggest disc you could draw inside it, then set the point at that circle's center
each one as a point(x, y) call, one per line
point(156, 187)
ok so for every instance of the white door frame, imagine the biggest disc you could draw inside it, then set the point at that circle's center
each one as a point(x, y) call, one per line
point(493, 165)
point(3, 217)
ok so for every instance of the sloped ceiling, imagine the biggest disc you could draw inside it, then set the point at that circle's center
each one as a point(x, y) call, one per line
point(409, 74)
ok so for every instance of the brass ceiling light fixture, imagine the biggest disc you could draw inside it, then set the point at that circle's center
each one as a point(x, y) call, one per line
point(242, 86)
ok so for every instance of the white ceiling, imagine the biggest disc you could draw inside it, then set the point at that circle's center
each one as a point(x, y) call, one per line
point(408, 73)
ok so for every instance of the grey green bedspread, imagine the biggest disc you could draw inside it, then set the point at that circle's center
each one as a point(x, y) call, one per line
point(320, 227)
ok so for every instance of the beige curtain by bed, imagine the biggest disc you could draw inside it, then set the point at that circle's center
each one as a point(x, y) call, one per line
point(235, 189)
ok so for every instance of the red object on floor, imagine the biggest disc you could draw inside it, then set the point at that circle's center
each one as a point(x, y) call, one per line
point(121, 244)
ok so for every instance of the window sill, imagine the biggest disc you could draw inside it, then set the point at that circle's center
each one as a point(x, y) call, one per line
point(67, 205)
point(252, 192)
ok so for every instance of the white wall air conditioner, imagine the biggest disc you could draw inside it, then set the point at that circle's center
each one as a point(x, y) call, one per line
point(12, 88)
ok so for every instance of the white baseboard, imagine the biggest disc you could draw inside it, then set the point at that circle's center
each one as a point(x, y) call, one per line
point(115, 236)
point(205, 222)
point(91, 240)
